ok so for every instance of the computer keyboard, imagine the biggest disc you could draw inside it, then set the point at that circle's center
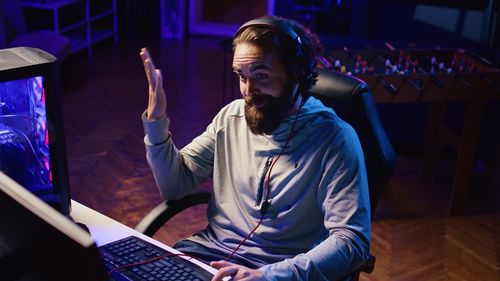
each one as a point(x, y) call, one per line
point(147, 266)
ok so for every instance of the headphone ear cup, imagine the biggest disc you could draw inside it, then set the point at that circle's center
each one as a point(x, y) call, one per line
point(297, 73)
point(301, 70)
point(298, 66)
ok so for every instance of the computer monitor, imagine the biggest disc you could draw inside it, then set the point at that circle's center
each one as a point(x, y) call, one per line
point(37, 243)
point(32, 147)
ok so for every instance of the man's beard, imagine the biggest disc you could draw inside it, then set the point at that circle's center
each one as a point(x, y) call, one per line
point(266, 119)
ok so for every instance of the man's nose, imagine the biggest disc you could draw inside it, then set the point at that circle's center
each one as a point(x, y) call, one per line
point(251, 89)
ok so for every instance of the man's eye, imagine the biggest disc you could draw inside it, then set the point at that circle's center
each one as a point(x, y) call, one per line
point(240, 76)
point(261, 76)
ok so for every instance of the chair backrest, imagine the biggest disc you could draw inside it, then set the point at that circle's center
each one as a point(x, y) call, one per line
point(352, 101)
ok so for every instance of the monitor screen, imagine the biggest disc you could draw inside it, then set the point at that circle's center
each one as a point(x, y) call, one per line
point(32, 149)
point(37, 243)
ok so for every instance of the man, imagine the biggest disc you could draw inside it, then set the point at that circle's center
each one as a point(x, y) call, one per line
point(290, 198)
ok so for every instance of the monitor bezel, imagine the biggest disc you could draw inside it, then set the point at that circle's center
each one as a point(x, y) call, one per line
point(38, 243)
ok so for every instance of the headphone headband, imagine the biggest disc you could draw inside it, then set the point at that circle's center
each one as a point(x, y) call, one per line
point(271, 23)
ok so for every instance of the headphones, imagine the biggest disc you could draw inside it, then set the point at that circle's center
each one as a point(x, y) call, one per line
point(303, 67)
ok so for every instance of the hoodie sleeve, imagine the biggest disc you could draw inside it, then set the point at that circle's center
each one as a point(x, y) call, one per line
point(344, 199)
point(177, 172)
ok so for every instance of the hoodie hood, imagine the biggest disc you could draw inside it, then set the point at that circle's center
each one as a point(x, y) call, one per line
point(312, 114)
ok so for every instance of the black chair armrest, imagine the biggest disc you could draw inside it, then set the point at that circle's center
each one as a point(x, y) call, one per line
point(367, 267)
point(157, 217)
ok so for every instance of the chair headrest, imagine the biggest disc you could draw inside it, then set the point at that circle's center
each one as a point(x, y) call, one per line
point(337, 86)
point(352, 101)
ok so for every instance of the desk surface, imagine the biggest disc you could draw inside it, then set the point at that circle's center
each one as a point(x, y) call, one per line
point(104, 230)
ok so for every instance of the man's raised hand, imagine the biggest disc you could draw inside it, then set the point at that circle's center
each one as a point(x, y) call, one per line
point(157, 105)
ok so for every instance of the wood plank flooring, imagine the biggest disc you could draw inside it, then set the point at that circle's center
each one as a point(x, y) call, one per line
point(104, 97)
point(459, 248)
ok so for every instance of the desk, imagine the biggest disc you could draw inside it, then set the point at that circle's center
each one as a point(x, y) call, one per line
point(104, 230)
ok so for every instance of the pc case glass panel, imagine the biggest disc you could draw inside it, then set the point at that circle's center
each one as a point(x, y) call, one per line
point(24, 136)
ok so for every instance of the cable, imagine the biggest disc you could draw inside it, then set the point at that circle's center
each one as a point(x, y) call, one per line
point(266, 203)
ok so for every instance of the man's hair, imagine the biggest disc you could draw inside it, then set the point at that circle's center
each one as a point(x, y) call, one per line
point(298, 58)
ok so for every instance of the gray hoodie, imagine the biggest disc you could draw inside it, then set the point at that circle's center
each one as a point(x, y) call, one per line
point(317, 226)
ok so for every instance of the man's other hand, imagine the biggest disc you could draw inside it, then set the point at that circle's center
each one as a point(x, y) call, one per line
point(237, 272)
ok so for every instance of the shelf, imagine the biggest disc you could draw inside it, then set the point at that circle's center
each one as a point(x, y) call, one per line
point(52, 5)
point(99, 35)
point(73, 26)
point(84, 22)
point(102, 15)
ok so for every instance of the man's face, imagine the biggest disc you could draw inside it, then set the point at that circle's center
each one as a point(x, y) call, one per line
point(264, 85)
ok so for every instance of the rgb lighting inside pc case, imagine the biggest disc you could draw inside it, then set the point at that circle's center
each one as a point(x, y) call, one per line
point(24, 137)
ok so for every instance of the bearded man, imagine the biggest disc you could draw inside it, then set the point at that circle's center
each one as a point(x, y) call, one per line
point(290, 198)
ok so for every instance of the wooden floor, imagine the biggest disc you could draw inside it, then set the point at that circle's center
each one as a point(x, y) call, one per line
point(104, 96)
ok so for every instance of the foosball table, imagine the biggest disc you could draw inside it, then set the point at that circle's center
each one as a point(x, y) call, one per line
point(437, 77)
